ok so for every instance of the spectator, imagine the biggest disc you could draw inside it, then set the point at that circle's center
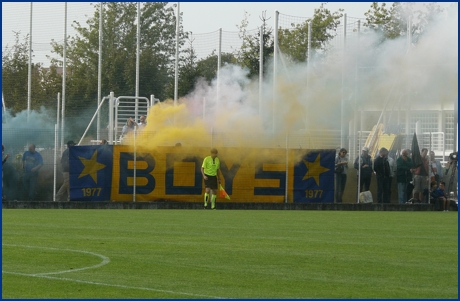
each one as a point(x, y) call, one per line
point(103, 142)
point(433, 186)
point(382, 170)
point(65, 172)
point(128, 127)
point(421, 177)
point(366, 169)
point(439, 195)
point(392, 164)
point(32, 161)
point(210, 171)
point(404, 169)
point(341, 159)
point(435, 168)
point(142, 122)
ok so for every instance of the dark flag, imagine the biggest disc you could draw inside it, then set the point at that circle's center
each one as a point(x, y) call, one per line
point(416, 156)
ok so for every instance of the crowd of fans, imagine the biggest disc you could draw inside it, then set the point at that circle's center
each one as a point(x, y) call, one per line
point(416, 183)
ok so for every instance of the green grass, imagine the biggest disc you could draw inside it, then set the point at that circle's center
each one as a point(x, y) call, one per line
point(229, 254)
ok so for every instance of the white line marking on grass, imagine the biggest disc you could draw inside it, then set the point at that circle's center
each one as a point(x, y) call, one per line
point(114, 285)
point(105, 259)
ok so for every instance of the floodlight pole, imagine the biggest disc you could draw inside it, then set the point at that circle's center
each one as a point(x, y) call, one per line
point(29, 76)
point(275, 62)
point(64, 71)
point(99, 73)
point(176, 65)
point(261, 67)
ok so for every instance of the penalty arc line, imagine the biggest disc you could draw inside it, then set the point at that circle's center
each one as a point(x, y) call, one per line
point(113, 285)
point(105, 260)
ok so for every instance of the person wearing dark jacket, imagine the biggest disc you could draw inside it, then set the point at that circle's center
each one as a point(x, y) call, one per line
point(404, 169)
point(382, 171)
point(65, 172)
point(366, 169)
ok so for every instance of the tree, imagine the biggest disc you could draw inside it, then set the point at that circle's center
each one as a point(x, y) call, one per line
point(188, 72)
point(15, 73)
point(249, 52)
point(294, 42)
point(384, 21)
point(207, 67)
point(157, 51)
point(392, 22)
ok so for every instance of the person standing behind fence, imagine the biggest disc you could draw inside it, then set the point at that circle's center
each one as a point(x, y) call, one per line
point(341, 159)
point(421, 178)
point(32, 161)
point(382, 171)
point(435, 168)
point(65, 172)
point(392, 164)
point(210, 171)
point(142, 122)
point(366, 169)
point(404, 169)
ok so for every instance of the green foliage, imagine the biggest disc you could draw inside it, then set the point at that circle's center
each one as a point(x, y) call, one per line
point(392, 22)
point(157, 51)
point(207, 67)
point(248, 54)
point(385, 21)
point(15, 70)
point(157, 254)
point(293, 42)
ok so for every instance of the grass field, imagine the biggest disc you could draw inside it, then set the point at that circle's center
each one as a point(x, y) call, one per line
point(228, 254)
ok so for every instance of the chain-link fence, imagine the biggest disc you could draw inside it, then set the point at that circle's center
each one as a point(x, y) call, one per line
point(329, 87)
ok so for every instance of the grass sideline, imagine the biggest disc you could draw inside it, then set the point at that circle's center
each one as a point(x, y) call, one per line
point(228, 254)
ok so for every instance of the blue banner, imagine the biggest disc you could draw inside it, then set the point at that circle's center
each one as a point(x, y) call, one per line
point(314, 178)
point(105, 172)
point(90, 173)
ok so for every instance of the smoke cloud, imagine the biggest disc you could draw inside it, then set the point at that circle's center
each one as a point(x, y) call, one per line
point(307, 102)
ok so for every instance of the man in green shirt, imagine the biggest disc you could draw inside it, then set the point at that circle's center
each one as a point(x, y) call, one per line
point(210, 171)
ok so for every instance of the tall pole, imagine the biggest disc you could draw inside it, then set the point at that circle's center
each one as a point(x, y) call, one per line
point(261, 66)
point(29, 76)
point(56, 137)
point(176, 67)
point(342, 105)
point(64, 75)
point(219, 63)
point(275, 62)
point(138, 47)
point(308, 65)
point(99, 74)
point(57, 115)
point(355, 118)
point(136, 113)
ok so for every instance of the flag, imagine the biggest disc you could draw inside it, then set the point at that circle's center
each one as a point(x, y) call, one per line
point(222, 193)
point(416, 156)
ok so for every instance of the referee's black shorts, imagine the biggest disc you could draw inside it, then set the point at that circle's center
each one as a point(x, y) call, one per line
point(211, 182)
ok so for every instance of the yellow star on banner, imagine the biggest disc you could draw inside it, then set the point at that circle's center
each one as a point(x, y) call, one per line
point(314, 169)
point(91, 167)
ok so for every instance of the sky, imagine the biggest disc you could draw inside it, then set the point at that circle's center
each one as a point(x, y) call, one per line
point(198, 17)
